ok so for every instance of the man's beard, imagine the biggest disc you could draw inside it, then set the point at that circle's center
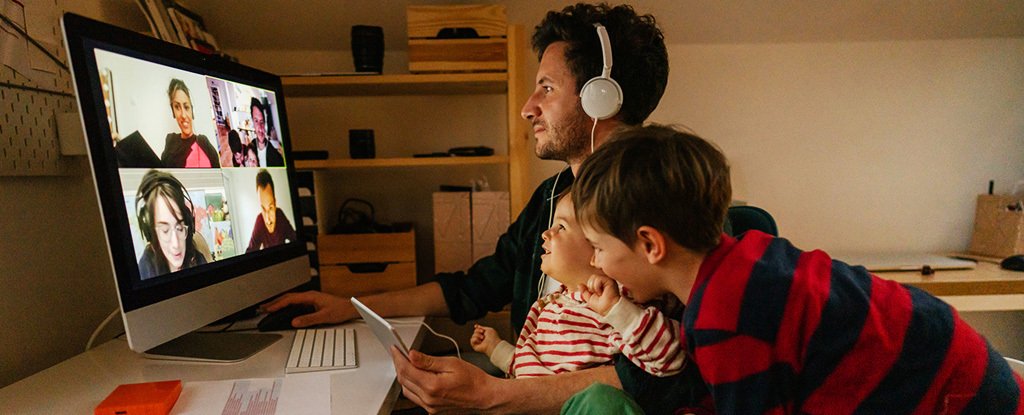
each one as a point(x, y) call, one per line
point(567, 142)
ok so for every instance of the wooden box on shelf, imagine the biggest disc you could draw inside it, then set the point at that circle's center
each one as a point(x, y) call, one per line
point(438, 39)
point(367, 263)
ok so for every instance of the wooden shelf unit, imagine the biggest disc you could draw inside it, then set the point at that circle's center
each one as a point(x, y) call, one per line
point(398, 162)
point(396, 84)
point(513, 84)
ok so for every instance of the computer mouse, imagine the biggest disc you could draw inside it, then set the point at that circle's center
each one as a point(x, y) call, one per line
point(1013, 263)
point(282, 319)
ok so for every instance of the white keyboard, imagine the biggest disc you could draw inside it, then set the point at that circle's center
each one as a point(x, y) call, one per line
point(322, 349)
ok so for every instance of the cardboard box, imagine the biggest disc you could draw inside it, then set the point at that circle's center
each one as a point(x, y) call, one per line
point(467, 227)
point(367, 263)
point(433, 49)
point(998, 226)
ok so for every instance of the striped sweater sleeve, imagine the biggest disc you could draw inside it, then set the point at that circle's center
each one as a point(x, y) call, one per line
point(647, 338)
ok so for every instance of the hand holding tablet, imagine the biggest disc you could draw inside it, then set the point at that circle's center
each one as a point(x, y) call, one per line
point(381, 328)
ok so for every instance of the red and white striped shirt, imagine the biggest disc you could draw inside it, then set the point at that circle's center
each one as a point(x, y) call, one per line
point(562, 335)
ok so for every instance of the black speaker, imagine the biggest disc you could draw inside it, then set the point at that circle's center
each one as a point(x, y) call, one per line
point(360, 144)
point(368, 48)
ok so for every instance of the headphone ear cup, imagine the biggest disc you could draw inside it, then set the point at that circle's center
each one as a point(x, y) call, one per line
point(601, 98)
point(144, 220)
point(189, 216)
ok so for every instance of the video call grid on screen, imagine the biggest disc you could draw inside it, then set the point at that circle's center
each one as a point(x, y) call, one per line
point(207, 134)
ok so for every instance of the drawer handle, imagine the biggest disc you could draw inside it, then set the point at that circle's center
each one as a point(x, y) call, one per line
point(368, 267)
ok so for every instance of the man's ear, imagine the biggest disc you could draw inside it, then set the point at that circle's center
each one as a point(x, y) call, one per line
point(651, 243)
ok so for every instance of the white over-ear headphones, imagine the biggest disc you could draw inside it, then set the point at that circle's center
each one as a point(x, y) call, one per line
point(601, 96)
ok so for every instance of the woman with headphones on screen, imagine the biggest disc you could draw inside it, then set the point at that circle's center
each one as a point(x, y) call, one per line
point(167, 223)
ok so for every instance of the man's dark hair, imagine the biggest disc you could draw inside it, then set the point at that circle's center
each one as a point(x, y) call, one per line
point(640, 60)
point(256, 104)
point(263, 180)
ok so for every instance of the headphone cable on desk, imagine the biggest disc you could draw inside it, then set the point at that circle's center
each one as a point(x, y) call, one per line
point(100, 328)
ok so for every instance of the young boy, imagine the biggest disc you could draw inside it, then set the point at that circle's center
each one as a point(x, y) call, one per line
point(773, 329)
point(562, 334)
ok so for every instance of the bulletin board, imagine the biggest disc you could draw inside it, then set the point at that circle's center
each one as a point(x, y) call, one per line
point(35, 85)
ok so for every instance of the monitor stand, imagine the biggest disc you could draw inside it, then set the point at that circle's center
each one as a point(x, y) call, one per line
point(213, 347)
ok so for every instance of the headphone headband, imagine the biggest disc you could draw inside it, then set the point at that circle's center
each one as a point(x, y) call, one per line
point(606, 50)
point(153, 180)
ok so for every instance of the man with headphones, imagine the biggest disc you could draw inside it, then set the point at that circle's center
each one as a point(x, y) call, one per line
point(167, 224)
point(574, 107)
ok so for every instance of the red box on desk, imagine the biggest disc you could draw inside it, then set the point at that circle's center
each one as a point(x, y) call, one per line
point(150, 398)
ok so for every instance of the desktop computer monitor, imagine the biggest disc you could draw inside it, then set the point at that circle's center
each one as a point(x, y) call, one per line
point(196, 187)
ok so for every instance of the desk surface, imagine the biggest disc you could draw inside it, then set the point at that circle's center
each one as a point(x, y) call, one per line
point(985, 288)
point(77, 385)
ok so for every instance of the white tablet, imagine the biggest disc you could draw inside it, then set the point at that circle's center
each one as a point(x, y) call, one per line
point(381, 328)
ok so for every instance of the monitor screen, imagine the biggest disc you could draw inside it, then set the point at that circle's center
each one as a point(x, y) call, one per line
point(190, 155)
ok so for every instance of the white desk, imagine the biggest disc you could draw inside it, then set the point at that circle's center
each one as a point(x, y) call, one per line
point(77, 385)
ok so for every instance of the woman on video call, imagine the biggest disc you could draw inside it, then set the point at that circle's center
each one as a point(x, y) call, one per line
point(186, 149)
point(168, 225)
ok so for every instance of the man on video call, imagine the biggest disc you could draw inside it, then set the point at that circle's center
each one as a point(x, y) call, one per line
point(272, 227)
point(570, 54)
point(268, 155)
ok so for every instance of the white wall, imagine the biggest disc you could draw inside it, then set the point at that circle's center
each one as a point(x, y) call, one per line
point(859, 146)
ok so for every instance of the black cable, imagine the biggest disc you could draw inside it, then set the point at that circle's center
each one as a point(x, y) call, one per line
point(34, 42)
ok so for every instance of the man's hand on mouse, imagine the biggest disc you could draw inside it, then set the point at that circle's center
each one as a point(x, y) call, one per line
point(329, 309)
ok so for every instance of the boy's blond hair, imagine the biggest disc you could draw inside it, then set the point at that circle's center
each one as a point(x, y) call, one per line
point(657, 176)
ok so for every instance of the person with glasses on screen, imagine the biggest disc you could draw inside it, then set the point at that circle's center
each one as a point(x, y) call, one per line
point(167, 224)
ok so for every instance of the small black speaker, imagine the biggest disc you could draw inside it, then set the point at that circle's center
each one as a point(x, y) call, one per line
point(368, 48)
point(360, 144)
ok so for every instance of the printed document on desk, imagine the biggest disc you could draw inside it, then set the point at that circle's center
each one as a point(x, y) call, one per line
point(368, 389)
point(307, 394)
point(903, 261)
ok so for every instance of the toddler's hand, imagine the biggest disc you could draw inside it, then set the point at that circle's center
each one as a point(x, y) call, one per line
point(600, 293)
point(484, 339)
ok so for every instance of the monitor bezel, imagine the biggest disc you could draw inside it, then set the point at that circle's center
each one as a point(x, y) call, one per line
point(83, 37)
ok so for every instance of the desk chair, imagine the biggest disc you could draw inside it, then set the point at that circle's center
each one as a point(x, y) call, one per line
point(744, 218)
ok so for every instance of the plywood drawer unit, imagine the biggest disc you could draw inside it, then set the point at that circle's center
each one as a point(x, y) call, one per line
point(361, 264)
